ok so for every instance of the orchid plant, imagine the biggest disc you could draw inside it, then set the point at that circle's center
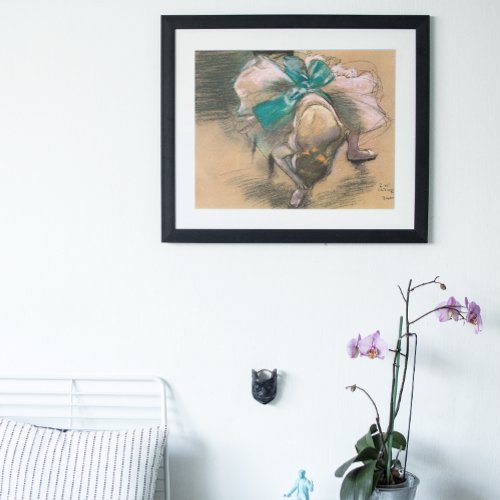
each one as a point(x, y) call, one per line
point(379, 451)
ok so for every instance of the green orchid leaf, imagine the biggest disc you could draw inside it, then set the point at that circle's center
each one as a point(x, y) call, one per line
point(365, 442)
point(398, 441)
point(343, 468)
point(366, 455)
point(358, 484)
point(378, 440)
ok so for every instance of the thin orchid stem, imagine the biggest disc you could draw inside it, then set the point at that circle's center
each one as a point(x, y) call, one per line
point(394, 350)
point(435, 280)
point(377, 418)
point(408, 323)
point(357, 387)
point(450, 308)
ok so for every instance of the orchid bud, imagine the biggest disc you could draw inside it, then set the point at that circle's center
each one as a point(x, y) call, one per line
point(443, 286)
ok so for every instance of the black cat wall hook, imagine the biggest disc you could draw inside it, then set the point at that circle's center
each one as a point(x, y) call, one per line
point(264, 385)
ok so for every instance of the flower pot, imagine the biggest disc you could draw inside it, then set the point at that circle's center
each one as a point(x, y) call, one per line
point(404, 491)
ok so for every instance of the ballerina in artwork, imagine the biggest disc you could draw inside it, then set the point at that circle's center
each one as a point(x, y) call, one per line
point(299, 111)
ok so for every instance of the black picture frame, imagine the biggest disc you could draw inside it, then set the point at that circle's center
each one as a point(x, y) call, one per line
point(170, 230)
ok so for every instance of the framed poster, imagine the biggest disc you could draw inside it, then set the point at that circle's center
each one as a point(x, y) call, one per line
point(295, 128)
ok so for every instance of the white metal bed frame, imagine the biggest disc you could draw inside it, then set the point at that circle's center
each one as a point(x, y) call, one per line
point(89, 403)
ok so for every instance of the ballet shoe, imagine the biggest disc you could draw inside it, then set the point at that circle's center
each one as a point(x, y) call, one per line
point(361, 155)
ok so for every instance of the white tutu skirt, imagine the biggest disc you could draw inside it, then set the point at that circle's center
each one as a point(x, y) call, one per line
point(354, 94)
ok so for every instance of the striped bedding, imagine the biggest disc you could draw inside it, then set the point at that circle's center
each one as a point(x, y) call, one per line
point(40, 463)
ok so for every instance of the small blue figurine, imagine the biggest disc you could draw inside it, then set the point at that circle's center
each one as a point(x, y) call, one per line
point(302, 486)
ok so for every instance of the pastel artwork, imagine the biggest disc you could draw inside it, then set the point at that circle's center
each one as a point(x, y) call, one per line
point(289, 130)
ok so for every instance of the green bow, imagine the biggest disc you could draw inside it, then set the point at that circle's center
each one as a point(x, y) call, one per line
point(306, 80)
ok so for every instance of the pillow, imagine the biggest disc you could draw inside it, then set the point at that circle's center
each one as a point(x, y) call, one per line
point(44, 463)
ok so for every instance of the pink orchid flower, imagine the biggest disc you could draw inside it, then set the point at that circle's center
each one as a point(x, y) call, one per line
point(451, 313)
point(353, 347)
point(474, 315)
point(373, 346)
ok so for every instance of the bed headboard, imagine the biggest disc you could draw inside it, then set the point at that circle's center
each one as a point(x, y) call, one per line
point(89, 403)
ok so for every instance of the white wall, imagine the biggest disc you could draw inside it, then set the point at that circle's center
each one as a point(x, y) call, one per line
point(87, 287)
